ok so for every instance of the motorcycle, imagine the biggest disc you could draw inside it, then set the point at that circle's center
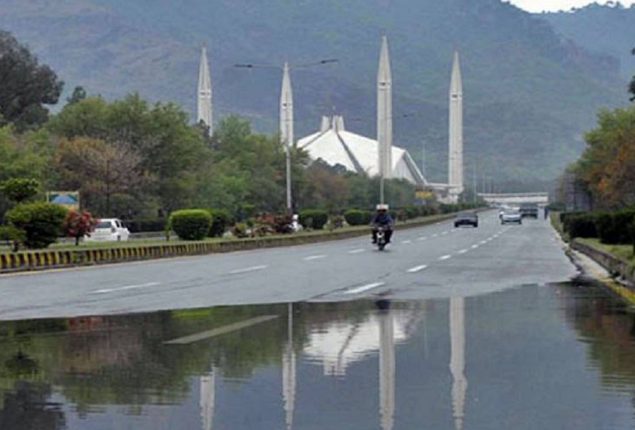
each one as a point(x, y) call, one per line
point(381, 238)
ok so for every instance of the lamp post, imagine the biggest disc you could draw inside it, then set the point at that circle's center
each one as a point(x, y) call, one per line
point(286, 112)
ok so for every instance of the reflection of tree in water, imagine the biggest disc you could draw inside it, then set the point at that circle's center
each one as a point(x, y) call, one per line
point(26, 408)
point(604, 325)
point(123, 359)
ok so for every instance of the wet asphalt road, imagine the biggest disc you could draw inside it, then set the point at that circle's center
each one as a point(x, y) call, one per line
point(436, 261)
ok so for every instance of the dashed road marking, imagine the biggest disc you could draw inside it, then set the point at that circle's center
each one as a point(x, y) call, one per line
point(356, 251)
point(445, 257)
point(417, 268)
point(474, 246)
point(314, 257)
point(463, 251)
point(406, 242)
point(247, 270)
point(422, 238)
point(125, 288)
point(363, 288)
point(435, 235)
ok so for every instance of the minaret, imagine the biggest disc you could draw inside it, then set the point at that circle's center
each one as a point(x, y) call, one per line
point(386, 370)
point(384, 112)
point(205, 93)
point(455, 171)
point(457, 360)
point(286, 124)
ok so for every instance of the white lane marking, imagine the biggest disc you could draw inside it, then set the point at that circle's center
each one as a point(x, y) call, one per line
point(482, 242)
point(463, 251)
point(247, 270)
point(314, 257)
point(406, 242)
point(127, 287)
point(220, 330)
point(422, 238)
point(363, 288)
point(445, 257)
point(417, 268)
point(435, 235)
point(444, 233)
point(356, 251)
point(474, 246)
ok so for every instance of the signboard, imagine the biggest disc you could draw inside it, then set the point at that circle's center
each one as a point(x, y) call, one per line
point(68, 199)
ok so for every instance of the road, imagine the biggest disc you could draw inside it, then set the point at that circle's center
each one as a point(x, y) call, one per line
point(436, 261)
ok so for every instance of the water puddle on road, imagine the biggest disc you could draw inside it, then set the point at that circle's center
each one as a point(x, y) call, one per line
point(550, 357)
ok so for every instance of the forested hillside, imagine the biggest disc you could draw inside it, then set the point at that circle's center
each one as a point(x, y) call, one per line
point(605, 29)
point(529, 94)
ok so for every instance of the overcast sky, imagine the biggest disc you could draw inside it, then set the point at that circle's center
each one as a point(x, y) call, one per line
point(551, 5)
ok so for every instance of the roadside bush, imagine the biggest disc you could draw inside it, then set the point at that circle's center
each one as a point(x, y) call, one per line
point(357, 217)
point(240, 230)
point(581, 225)
point(41, 222)
point(613, 228)
point(13, 236)
point(221, 219)
point(411, 212)
point(79, 224)
point(191, 224)
point(314, 218)
point(269, 224)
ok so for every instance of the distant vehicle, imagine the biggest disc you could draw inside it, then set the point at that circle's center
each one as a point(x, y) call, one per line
point(466, 218)
point(529, 210)
point(109, 230)
point(511, 216)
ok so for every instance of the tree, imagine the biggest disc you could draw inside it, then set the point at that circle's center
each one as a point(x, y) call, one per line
point(607, 165)
point(79, 224)
point(168, 148)
point(631, 87)
point(20, 189)
point(79, 94)
point(102, 171)
point(27, 86)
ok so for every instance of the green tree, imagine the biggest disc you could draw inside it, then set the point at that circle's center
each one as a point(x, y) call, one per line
point(631, 87)
point(20, 189)
point(79, 94)
point(27, 86)
point(170, 150)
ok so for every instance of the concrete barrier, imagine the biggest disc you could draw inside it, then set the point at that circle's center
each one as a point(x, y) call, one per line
point(614, 265)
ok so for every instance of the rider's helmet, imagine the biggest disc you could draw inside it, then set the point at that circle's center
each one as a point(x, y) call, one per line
point(381, 207)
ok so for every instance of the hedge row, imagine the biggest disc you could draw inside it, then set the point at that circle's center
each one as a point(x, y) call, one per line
point(610, 227)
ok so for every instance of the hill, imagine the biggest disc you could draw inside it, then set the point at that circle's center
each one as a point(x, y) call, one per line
point(607, 29)
point(529, 93)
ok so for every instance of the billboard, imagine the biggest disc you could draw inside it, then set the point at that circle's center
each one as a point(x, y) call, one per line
point(68, 199)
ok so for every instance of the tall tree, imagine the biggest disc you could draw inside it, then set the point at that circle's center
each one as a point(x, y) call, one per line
point(110, 177)
point(27, 86)
point(631, 87)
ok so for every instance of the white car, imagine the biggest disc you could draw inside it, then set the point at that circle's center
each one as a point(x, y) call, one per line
point(511, 216)
point(109, 230)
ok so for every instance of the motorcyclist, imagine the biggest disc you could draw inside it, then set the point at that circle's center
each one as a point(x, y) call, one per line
point(382, 218)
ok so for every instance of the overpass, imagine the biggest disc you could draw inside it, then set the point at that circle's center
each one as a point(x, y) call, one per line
point(515, 198)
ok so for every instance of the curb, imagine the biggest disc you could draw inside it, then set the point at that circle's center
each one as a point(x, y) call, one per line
point(614, 265)
point(58, 259)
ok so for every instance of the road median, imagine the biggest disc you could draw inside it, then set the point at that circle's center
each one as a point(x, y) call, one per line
point(11, 262)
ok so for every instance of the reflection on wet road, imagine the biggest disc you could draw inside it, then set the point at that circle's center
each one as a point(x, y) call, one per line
point(549, 357)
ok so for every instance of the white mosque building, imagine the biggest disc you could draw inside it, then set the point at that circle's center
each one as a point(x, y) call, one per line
point(334, 145)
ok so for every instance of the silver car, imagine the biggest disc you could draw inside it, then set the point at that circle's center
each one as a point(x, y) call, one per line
point(511, 217)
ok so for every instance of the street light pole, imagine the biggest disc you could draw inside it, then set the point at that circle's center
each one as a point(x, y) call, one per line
point(286, 113)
